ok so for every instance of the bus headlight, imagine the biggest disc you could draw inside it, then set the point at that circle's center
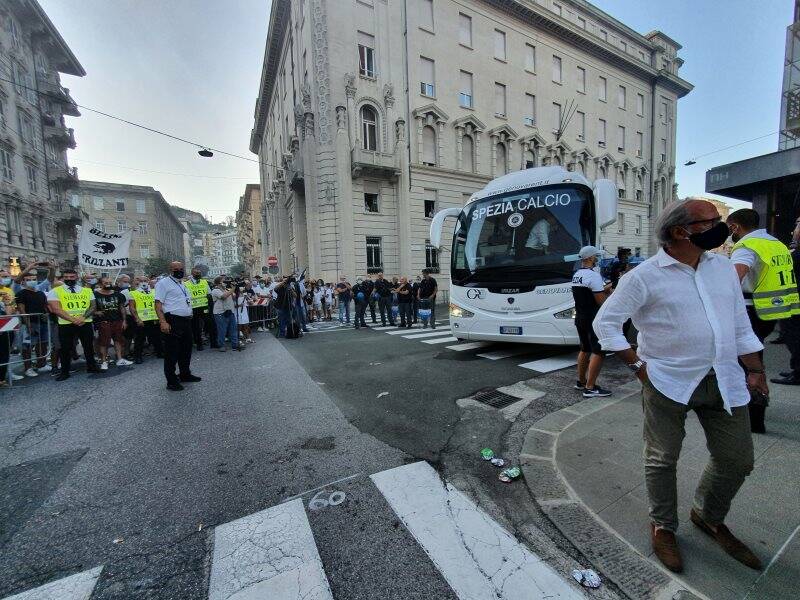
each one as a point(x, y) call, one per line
point(565, 314)
point(459, 313)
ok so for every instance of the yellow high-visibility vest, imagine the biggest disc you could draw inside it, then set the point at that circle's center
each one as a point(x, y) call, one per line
point(145, 305)
point(199, 292)
point(74, 304)
point(775, 293)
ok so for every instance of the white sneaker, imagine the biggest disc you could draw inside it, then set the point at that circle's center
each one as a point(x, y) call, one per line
point(31, 373)
point(45, 369)
point(104, 366)
point(123, 362)
point(15, 377)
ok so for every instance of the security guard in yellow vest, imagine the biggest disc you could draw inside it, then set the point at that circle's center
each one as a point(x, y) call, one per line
point(74, 306)
point(764, 265)
point(143, 310)
point(202, 320)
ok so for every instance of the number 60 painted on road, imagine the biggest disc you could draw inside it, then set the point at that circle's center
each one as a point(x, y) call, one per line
point(333, 499)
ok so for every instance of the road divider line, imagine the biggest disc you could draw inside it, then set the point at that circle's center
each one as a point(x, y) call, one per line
point(269, 554)
point(554, 363)
point(476, 556)
point(415, 336)
point(468, 346)
point(443, 340)
point(75, 587)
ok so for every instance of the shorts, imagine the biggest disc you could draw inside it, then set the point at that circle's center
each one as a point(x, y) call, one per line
point(36, 334)
point(588, 338)
point(109, 330)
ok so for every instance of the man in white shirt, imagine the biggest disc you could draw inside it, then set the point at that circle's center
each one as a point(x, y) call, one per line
point(174, 309)
point(693, 330)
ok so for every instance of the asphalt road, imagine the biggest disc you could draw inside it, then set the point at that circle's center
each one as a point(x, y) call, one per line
point(114, 471)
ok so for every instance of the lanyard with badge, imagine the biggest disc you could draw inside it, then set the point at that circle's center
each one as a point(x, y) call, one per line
point(183, 291)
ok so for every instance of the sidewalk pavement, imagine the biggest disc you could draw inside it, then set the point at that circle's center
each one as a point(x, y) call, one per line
point(599, 458)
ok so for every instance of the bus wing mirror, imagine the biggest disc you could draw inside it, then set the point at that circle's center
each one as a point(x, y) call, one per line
point(438, 222)
point(605, 197)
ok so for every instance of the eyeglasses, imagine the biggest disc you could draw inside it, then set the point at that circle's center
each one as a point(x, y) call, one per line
point(713, 221)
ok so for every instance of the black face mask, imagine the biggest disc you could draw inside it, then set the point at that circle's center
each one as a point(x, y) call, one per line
point(711, 238)
point(70, 283)
point(107, 286)
point(178, 274)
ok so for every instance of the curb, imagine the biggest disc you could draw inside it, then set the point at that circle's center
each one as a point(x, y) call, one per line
point(636, 575)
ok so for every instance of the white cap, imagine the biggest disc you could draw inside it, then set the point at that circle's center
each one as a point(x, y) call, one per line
point(588, 252)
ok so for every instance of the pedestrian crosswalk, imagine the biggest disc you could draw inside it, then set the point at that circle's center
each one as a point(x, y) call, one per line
point(273, 554)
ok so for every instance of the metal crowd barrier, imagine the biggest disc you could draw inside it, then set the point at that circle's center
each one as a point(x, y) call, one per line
point(262, 313)
point(27, 333)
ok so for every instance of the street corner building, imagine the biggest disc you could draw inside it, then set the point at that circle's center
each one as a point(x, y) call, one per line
point(372, 116)
point(250, 230)
point(36, 221)
point(116, 208)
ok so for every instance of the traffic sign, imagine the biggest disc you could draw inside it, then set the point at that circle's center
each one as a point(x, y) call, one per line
point(272, 261)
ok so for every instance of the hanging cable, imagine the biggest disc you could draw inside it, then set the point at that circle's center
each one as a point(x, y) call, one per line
point(693, 160)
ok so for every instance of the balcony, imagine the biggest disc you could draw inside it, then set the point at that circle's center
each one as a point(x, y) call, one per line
point(295, 173)
point(62, 136)
point(60, 94)
point(368, 163)
point(64, 212)
point(63, 174)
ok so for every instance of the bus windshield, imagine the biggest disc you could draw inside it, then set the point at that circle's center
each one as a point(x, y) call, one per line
point(530, 237)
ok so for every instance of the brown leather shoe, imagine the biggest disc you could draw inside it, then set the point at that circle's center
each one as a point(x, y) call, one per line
point(665, 545)
point(728, 541)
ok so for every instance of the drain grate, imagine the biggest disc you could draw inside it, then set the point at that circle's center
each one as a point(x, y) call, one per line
point(495, 399)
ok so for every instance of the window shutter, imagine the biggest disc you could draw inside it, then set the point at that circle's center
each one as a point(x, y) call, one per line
point(428, 145)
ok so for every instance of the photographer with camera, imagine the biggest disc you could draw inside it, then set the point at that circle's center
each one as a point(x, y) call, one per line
point(242, 298)
point(224, 307)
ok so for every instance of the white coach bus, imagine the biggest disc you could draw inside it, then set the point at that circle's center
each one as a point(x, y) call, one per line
point(514, 251)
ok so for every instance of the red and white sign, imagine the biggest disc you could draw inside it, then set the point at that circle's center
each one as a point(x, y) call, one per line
point(9, 324)
point(272, 261)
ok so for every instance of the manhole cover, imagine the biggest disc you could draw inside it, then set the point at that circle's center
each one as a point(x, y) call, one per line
point(495, 398)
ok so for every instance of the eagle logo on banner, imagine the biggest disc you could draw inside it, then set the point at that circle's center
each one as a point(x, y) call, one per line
point(97, 248)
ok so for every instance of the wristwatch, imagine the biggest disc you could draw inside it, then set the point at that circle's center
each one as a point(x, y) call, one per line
point(636, 366)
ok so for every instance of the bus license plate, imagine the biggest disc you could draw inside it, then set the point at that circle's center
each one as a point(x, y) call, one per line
point(511, 330)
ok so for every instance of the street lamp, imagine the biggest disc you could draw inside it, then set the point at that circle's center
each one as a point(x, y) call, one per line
point(205, 153)
point(689, 163)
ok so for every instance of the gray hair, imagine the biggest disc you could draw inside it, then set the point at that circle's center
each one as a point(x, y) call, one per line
point(674, 214)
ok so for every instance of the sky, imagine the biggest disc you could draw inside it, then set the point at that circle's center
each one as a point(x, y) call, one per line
point(192, 68)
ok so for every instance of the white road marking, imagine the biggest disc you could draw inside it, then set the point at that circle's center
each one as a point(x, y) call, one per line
point(443, 340)
point(547, 365)
point(75, 587)
point(477, 557)
point(398, 331)
point(469, 346)
point(427, 334)
point(383, 327)
point(498, 354)
point(269, 554)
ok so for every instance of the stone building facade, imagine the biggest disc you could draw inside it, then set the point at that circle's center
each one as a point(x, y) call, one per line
point(35, 219)
point(364, 131)
point(116, 207)
point(248, 226)
point(222, 250)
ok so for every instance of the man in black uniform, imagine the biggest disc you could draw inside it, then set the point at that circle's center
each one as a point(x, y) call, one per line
point(589, 292)
point(369, 287)
point(427, 291)
point(415, 298)
point(384, 289)
point(361, 298)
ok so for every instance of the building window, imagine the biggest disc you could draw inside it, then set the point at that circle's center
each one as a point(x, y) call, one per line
point(557, 9)
point(501, 162)
point(530, 110)
point(581, 22)
point(556, 116)
point(142, 228)
point(39, 224)
point(638, 224)
point(621, 138)
point(663, 150)
point(100, 226)
point(581, 122)
point(663, 114)
point(370, 202)
point(604, 35)
point(468, 154)
point(97, 202)
point(122, 226)
point(430, 203)
point(465, 95)
point(465, 30)
point(428, 146)
point(140, 206)
point(620, 222)
point(427, 84)
point(624, 46)
point(120, 205)
point(32, 177)
point(14, 226)
point(431, 257)
point(556, 69)
point(426, 14)
point(581, 80)
point(602, 88)
point(374, 255)
point(530, 57)
point(640, 104)
point(366, 55)
point(500, 45)
point(27, 131)
point(144, 250)
point(639, 144)
point(369, 128)
point(601, 137)
point(499, 100)
point(622, 97)
point(7, 162)
point(2, 111)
